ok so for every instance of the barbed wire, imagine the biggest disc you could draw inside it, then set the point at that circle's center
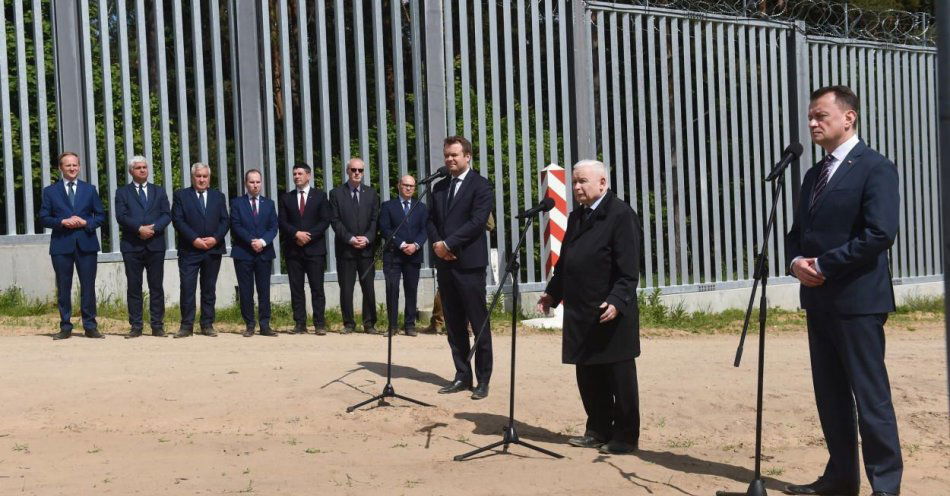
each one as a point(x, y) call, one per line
point(836, 18)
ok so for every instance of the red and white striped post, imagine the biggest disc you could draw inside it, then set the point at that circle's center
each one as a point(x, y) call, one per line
point(554, 186)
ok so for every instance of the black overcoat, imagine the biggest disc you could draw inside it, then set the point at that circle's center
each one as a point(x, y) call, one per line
point(600, 261)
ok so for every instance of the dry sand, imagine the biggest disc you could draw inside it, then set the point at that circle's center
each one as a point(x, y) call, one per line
point(230, 415)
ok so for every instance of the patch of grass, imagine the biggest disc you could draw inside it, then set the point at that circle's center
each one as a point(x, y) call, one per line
point(22, 448)
point(312, 451)
point(14, 303)
point(922, 304)
point(292, 441)
point(774, 471)
point(95, 449)
point(399, 445)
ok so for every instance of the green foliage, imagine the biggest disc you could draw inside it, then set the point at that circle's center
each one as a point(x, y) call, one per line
point(14, 303)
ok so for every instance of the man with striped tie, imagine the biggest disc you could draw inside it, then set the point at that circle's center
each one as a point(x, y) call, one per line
point(845, 221)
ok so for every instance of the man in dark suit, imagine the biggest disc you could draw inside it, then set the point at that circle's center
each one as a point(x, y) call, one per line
point(458, 214)
point(200, 216)
point(73, 210)
point(354, 213)
point(303, 217)
point(403, 258)
point(143, 214)
point(253, 229)
point(596, 278)
point(845, 221)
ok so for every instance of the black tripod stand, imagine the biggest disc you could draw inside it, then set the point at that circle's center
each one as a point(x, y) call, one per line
point(388, 391)
point(757, 486)
point(509, 434)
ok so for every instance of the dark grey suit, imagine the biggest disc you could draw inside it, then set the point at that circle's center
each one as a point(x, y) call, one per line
point(351, 218)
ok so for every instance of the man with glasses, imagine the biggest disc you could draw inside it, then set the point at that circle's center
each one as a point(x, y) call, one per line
point(403, 258)
point(354, 212)
point(143, 214)
point(73, 210)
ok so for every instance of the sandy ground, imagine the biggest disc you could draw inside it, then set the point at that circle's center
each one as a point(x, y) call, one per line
point(230, 415)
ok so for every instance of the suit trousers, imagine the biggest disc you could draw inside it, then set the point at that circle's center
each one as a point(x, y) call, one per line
point(611, 398)
point(409, 273)
point(251, 273)
point(85, 264)
point(193, 267)
point(848, 372)
point(153, 263)
point(463, 302)
point(312, 268)
point(348, 270)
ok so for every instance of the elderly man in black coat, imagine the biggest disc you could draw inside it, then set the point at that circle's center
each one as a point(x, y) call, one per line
point(596, 279)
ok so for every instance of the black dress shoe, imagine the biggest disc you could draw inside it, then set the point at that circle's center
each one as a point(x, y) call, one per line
point(480, 392)
point(320, 330)
point(62, 335)
point(456, 387)
point(208, 331)
point(348, 330)
point(134, 333)
point(248, 332)
point(184, 333)
point(94, 333)
point(373, 330)
point(268, 332)
point(883, 493)
point(158, 333)
point(821, 488)
point(585, 442)
point(411, 331)
point(618, 448)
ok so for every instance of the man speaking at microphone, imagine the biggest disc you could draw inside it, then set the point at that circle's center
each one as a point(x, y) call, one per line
point(845, 221)
point(458, 212)
point(596, 278)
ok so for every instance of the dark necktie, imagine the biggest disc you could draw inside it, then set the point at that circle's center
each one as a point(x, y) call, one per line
point(452, 188)
point(201, 201)
point(356, 197)
point(71, 194)
point(823, 178)
point(405, 207)
point(254, 205)
point(303, 203)
point(142, 193)
point(588, 213)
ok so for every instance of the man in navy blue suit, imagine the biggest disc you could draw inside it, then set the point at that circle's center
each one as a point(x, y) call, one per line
point(458, 213)
point(200, 216)
point(304, 216)
point(845, 222)
point(73, 210)
point(143, 214)
point(253, 229)
point(403, 258)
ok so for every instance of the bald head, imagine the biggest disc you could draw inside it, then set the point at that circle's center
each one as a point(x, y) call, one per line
point(407, 186)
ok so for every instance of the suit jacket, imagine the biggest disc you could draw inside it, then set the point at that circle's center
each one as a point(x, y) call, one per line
point(349, 221)
point(462, 226)
point(853, 224)
point(315, 220)
point(131, 214)
point(191, 224)
point(245, 226)
point(55, 207)
point(600, 261)
point(413, 231)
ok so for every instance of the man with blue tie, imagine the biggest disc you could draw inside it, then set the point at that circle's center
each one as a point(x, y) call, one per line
point(200, 216)
point(143, 214)
point(846, 220)
point(458, 215)
point(403, 258)
point(253, 229)
point(73, 210)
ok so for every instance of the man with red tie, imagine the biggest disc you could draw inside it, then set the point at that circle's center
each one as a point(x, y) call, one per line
point(303, 217)
point(253, 229)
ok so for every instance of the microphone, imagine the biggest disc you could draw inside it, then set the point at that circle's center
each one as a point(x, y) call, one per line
point(438, 174)
point(790, 154)
point(545, 205)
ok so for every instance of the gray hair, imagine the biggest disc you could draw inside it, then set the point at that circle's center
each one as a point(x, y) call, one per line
point(199, 165)
point(137, 159)
point(597, 164)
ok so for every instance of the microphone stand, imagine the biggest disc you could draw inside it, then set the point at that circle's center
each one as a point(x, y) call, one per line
point(388, 391)
point(757, 486)
point(509, 434)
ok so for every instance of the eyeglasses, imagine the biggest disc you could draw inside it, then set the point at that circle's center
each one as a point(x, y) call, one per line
point(355, 170)
point(408, 185)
